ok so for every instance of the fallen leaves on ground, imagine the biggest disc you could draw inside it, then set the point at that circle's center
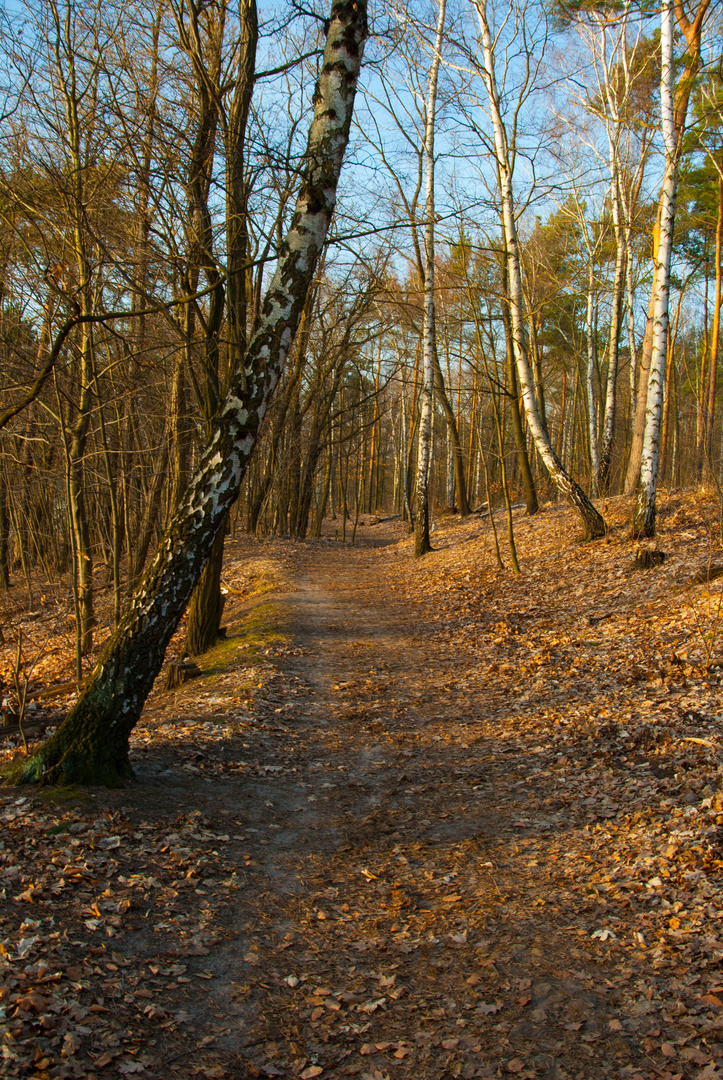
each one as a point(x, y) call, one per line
point(444, 822)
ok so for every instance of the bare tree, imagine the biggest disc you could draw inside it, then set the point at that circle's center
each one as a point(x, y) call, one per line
point(673, 110)
point(592, 521)
point(679, 92)
point(429, 341)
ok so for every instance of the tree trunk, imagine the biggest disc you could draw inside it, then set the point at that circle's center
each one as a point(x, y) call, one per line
point(237, 184)
point(523, 458)
point(714, 337)
point(632, 474)
point(206, 606)
point(669, 368)
point(429, 346)
point(180, 434)
point(138, 548)
point(589, 381)
point(91, 746)
point(204, 610)
point(325, 489)
point(632, 374)
point(679, 107)
point(4, 536)
point(281, 408)
point(460, 481)
point(592, 521)
point(644, 514)
point(314, 449)
point(606, 449)
point(539, 381)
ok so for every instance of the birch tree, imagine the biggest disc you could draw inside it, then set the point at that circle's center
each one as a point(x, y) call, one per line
point(621, 101)
point(592, 521)
point(680, 92)
point(672, 125)
point(403, 100)
point(429, 344)
point(91, 746)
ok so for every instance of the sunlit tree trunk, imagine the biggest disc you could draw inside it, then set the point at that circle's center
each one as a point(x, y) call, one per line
point(715, 334)
point(589, 381)
point(421, 531)
point(592, 521)
point(459, 480)
point(523, 458)
point(677, 109)
point(632, 347)
point(644, 515)
point(616, 310)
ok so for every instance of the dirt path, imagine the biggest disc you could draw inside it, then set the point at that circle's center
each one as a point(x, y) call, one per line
point(351, 870)
point(390, 924)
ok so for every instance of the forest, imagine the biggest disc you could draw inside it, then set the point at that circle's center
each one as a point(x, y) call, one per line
point(520, 291)
point(361, 515)
point(519, 296)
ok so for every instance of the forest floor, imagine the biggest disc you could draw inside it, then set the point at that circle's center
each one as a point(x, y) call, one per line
point(413, 819)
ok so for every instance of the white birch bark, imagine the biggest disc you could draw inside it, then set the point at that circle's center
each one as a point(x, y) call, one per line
point(632, 348)
point(676, 110)
point(644, 518)
point(589, 382)
point(421, 538)
point(593, 523)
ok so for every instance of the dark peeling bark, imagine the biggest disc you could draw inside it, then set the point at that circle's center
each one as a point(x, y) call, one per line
point(91, 746)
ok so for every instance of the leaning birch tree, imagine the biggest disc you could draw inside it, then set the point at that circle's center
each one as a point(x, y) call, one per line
point(592, 521)
point(91, 745)
point(421, 527)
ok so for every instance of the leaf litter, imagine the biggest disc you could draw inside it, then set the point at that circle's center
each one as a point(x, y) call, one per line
point(425, 818)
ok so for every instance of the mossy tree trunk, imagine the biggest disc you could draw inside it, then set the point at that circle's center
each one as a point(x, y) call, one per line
point(91, 746)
